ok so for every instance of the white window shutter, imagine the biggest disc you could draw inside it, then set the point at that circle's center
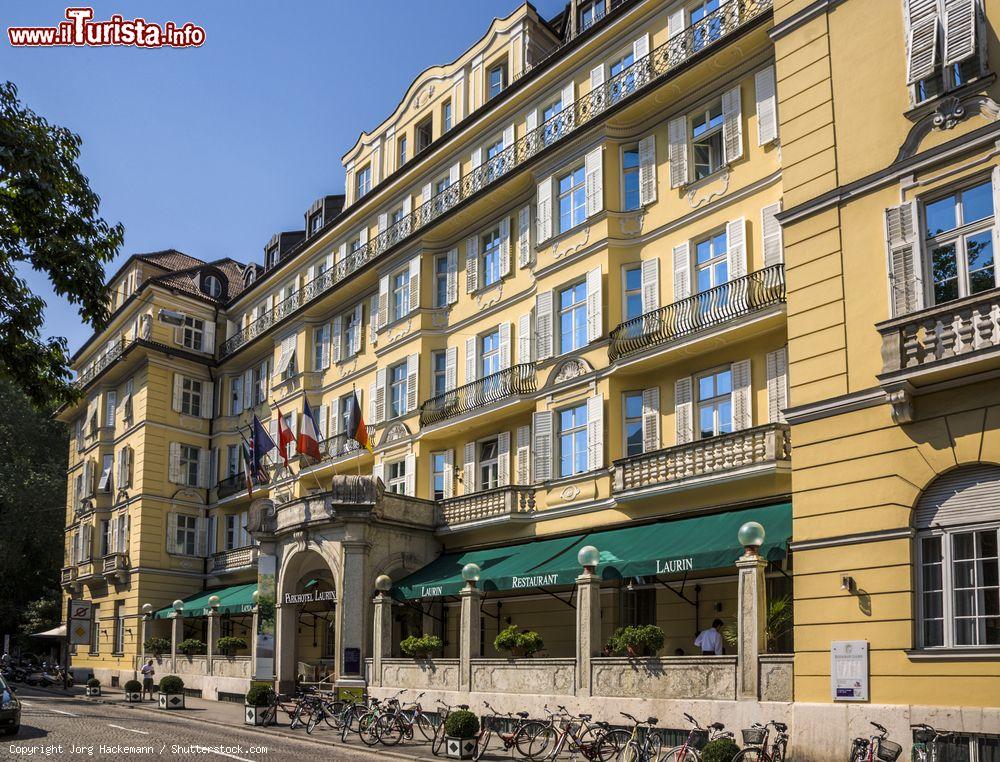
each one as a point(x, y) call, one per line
point(640, 48)
point(736, 248)
point(450, 368)
point(767, 106)
point(341, 252)
point(373, 316)
point(248, 389)
point(380, 395)
point(505, 330)
point(903, 247)
point(541, 424)
point(777, 385)
point(477, 157)
point(682, 271)
point(470, 359)
point(647, 170)
point(336, 419)
point(650, 277)
point(524, 338)
point(732, 124)
point(505, 247)
point(683, 410)
point(675, 22)
point(338, 337)
point(412, 379)
point(543, 210)
point(508, 136)
point(531, 119)
point(322, 416)
point(178, 392)
point(544, 325)
point(595, 322)
point(922, 25)
point(324, 355)
point(121, 473)
point(469, 468)
point(414, 284)
point(742, 396)
point(175, 463)
point(651, 419)
point(677, 139)
point(959, 30)
point(523, 455)
point(358, 316)
point(597, 77)
point(425, 193)
point(372, 402)
point(449, 474)
point(171, 533)
point(383, 301)
point(378, 472)
point(568, 94)
point(595, 432)
point(503, 458)
point(772, 244)
point(88, 542)
point(207, 398)
point(204, 468)
point(472, 264)
point(455, 173)
point(383, 222)
point(410, 478)
point(524, 237)
point(208, 337)
point(594, 181)
point(452, 276)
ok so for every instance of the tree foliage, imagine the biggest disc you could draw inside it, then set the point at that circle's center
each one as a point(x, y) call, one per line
point(49, 220)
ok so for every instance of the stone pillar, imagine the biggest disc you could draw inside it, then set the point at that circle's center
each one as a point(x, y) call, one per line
point(382, 635)
point(351, 603)
point(176, 634)
point(468, 634)
point(751, 620)
point(253, 637)
point(212, 635)
point(286, 631)
point(588, 627)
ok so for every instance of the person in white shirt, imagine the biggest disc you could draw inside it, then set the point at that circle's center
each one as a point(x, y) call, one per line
point(710, 640)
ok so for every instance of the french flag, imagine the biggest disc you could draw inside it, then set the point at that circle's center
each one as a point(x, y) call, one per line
point(308, 442)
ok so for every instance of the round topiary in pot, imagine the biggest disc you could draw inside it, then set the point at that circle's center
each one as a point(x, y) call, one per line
point(260, 694)
point(171, 684)
point(720, 750)
point(93, 683)
point(133, 686)
point(461, 724)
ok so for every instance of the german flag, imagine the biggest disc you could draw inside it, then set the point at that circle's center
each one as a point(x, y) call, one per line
point(356, 428)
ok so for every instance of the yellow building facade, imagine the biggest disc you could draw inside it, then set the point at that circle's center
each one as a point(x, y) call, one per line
point(629, 277)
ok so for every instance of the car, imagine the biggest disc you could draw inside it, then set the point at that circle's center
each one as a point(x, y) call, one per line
point(10, 709)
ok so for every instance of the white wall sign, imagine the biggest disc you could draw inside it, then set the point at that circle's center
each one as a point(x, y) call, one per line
point(849, 670)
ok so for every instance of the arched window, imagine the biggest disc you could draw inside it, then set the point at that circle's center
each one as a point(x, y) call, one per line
point(958, 573)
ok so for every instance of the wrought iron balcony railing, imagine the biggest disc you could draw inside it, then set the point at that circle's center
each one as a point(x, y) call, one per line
point(102, 361)
point(342, 444)
point(235, 558)
point(487, 504)
point(515, 380)
point(233, 484)
point(769, 443)
point(696, 39)
point(742, 296)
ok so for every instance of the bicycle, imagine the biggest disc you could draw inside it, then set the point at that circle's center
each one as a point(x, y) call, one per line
point(877, 747)
point(283, 702)
point(398, 723)
point(924, 737)
point(327, 708)
point(755, 748)
point(648, 748)
point(698, 737)
point(530, 737)
point(437, 742)
point(578, 737)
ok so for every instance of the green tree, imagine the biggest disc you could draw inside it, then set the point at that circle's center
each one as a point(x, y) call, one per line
point(32, 506)
point(42, 613)
point(49, 221)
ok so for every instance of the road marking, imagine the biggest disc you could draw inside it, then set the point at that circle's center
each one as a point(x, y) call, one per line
point(130, 730)
point(59, 711)
point(221, 753)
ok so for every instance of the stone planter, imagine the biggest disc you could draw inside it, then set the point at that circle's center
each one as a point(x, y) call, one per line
point(133, 697)
point(94, 691)
point(254, 715)
point(170, 701)
point(459, 748)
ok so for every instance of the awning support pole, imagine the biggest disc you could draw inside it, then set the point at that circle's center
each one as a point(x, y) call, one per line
point(678, 593)
point(561, 600)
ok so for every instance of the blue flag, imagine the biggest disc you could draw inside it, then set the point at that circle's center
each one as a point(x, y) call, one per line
point(261, 444)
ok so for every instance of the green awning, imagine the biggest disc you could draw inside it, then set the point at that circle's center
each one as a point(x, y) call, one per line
point(235, 599)
point(668, 547)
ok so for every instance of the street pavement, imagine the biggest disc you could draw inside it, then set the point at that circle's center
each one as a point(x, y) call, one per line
point(73, 727)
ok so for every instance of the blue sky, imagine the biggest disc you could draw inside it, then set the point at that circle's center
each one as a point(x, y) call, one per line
point(211, 150)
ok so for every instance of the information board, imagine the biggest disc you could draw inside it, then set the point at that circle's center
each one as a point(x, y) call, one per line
point(849, 670)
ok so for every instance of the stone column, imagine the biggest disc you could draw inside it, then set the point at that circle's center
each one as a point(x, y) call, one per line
point(351, 603)
point(212, 634)
point(751, 621)
point(253, 637)
point(176, 634)
point(286, 631)
point(382, 635)
point(468, 633)
point(588, 627)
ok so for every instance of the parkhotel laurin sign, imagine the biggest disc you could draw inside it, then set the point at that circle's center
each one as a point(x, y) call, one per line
point(313, 596)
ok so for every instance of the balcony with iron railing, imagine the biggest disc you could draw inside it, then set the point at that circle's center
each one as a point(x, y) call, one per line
point(729, 302)
point(343, 444)
point(489, 390)
point(102, 361)
point(719, 456)
point(234, 484)
point(234, 559)
point(652, 69)
point(512, 501)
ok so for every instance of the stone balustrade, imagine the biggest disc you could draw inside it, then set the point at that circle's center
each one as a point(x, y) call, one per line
point(555, 677)
point(663, 677)
point(776, 677)
point(421, 674)
point(502, 502)
point(716, 455)
point(234, 559)
point(238, 667)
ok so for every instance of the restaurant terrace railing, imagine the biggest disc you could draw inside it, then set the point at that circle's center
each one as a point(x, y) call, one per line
point(715, 455)
point(511, 500)
point(709, 31)
point(739, 297)
point(496, 387)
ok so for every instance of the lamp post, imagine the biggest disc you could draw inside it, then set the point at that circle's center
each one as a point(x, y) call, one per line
point(751, 610)
point(382, 626)
point(588, 616)
point(469, 624)
point(176, 629)
point(147, 623)
point(212, 634)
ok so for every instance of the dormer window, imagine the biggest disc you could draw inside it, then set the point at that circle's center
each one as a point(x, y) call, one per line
point(591, 12)
point(315, 222)
point(271, 257)
point(211, 286)
point(425, 134)
point(496, 80)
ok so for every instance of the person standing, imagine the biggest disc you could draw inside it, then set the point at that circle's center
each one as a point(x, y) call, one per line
point(147, 679)
point(710, 640)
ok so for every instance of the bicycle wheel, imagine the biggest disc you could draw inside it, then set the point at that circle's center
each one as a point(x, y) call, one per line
point(749, 754)
point(268, 718)
point(654, 746)
point(437, 742)
point(859, 750)
point(681, 754)
point(368, 728)
point(481, 744)
point(297, 717)
point(390, 729)
point(611, 745)
point(424, 726)
point(314, 717)
point(631, 752)
point(535, 740)
point(331, 713)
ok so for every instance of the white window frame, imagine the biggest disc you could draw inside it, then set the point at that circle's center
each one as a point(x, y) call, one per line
point(187, 535)
point(443, 473)
point(713, 402)
point(193, 334)
point(447, 116)
point(192, 392)
point(396, 386)
point(710, 265)
point(500, 66)
point(626, 291)
point(189, 462)
point(439, 376)
point(714, 133)
point(399, 294)
point(489, 245)
point(363, 181)
point(626, 420)
point(487, 469)
point(560, 433)
point(581, 189)
point(488, 357)
point(395, 472)
point(627, 172)
point(441, 280)
point(560, 310)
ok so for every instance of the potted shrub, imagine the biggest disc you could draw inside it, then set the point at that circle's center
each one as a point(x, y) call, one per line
point(171, 693)
point(460, 731)
point(192, 647)
point(516, 643)
point(93, 687)
point(228, 646)
point(258, 698)
point(422, 647)
point(720, 750)
point(133, 691)
point(156, 646)
point(641, 640)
